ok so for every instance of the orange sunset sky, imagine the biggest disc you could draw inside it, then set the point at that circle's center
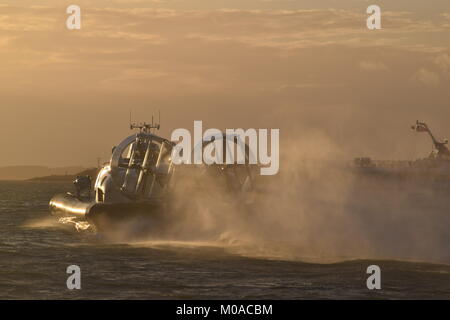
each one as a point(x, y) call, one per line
point(310, 68)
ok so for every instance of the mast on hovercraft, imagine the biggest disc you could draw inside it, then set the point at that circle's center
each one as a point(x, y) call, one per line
point(146, 127)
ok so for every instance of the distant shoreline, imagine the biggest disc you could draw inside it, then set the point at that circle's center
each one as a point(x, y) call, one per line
point(92, 172)
point(53, 178)
point(26, 172)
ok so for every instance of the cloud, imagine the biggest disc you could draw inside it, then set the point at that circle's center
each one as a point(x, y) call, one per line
point(290, 69)
point(443, 61)
point(426, 77)
point(372, 66)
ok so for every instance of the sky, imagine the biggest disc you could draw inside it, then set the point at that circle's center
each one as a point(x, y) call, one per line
point(310, 68)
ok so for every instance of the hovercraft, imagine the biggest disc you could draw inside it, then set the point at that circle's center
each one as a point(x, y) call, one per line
point(137, 182)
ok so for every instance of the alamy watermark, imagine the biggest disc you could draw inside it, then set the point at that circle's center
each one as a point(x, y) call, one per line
point(374, 20)
point(74, 280)
point(374, 280)
point(221, 147)
point(73, 22)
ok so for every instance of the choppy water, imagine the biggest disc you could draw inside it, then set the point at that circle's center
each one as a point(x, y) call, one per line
point(35, 250)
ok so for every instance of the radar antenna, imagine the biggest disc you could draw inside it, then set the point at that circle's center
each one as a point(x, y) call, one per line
point(145, 127)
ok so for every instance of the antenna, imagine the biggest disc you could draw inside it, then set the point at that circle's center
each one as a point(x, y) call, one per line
point(130, 121)
point(146, 127)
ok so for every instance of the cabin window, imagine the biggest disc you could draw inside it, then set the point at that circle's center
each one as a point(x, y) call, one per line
point(100, 195)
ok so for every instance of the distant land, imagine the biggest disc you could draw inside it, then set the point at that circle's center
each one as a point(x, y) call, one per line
point(92, 172)
point(29, 172)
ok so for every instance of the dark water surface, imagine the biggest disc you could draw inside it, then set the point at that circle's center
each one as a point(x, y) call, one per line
point(35, 250)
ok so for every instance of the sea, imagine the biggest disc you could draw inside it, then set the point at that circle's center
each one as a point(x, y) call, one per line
point(36, 249)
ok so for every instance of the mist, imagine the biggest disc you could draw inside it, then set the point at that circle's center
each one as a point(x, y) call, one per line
point(318, 209)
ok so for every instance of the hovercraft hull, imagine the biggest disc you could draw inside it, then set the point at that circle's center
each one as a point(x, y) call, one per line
point(102, 215)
